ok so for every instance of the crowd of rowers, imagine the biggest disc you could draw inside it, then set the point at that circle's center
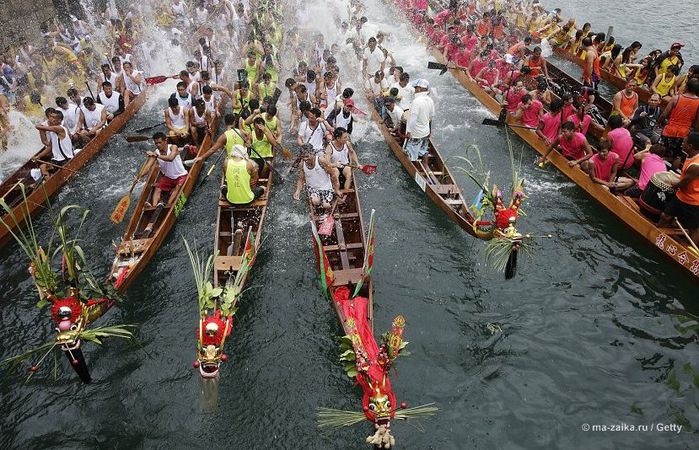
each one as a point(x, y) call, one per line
point(493, 46)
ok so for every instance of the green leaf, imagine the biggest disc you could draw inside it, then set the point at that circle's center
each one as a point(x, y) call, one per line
point(216, 292)
point(352, 372)
point(42, 303)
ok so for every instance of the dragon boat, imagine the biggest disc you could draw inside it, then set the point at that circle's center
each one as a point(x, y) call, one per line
point(238, 238)
point(149, 225)
point(672, 242)
point(37, 195)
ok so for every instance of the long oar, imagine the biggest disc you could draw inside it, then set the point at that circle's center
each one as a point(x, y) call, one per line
point(39, 161)
point(137, 138)
point(213, 166)
point(691, 242)
point(271, 167)
point(498, 123)
point(141, 130)
point(123, 206)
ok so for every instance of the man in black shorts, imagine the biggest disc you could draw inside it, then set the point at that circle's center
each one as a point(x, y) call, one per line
point(685, 205)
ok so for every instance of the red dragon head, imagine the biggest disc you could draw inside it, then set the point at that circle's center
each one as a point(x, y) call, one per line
point(213, 331)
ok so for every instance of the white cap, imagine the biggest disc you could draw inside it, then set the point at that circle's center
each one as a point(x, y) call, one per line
point(238, 151)
point(422, 83)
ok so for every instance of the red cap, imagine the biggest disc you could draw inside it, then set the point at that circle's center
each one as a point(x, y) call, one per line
point(349, 103)
point(677, 45)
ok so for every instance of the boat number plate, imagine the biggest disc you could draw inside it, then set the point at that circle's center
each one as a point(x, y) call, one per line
point(180, 204)
point(420, 181)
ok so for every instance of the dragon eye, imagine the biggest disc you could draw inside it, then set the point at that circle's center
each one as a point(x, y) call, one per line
point(388, 405)
point(372, 406)
point(73, 327)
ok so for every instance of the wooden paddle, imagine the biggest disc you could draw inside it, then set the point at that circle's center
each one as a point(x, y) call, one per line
point(123, 206)
point(368, 169)
point(141, 130)
point(693, 245)
point(286, 153)
point(326, 228)
point(137, 138)
point(498, 123)
point(270, 165)
point(39, 161)
point(150, 81)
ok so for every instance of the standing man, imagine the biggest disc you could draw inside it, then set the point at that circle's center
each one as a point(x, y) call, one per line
point(172, 171)
point(318, 174)
point(418, 128)
point(685, 205)
point(591, 70)
point(314, 130)
point(373, 60)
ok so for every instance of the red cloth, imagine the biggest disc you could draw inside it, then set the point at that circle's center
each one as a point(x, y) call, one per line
point(167, 184)
point(357, 309)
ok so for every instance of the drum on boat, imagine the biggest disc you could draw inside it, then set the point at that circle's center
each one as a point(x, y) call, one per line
point(659, 191)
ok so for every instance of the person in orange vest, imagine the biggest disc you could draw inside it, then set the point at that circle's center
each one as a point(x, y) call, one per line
point(682, 114)
point(626, 102)
point(685, 205)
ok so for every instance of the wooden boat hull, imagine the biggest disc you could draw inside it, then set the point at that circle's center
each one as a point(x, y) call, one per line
point(38, 197)
point(134, 252)
point(664, 239)
point(445, 193)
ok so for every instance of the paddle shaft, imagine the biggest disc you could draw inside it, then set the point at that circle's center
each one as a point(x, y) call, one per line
point(691, 242)
point(90, 90)
point(623, 165)
point(271, 167)
point(40, 161)
point(141, 130)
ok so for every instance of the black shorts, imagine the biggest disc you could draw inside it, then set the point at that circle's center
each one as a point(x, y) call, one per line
point(687, 214)
point(673, 146)
point(257, 191)
point(341, 178)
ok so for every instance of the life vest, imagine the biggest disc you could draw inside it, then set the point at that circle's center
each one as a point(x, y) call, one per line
point(690, 194)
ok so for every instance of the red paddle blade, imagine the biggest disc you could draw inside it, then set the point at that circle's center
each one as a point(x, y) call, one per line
point(326, 228)
point(150, 81)
point(369, 169)
point(358, 111)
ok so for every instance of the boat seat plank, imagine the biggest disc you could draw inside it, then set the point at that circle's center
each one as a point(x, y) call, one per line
point(342, 246)
point(446, 188)
point(223, 203)
point(344, 277)
point(133, 246)
point(454, 201)
point(334, 248)
point(228, 263)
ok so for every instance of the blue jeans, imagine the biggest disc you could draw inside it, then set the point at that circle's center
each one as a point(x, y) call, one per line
point(416, 148)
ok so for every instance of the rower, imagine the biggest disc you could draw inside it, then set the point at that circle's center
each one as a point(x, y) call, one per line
point(71, 117)
point(241, 100)
point(263, 144)
point(252, 66)
point(314, 130)
point(266, 87)
point(176, 119)
point(342, 117)
point(132, 83)
point(59, 145)
point(112, 101)
point(393, 116)
point(94, 119)
point(406, 92)
point(200, 121)
point(318, 174)
point(172, 171)
point(488, 78)
point(685, 204)
point(184, 98)
point(341, 154)
point(418, 128)
point(373, 59)
point(232, 136)
point(108, 75)
point(240, 185)
point(212, 105)
point(571, 144)
point(374, 87)
point(591, 69)
point(621, 141)
point(664, 83)
point(644, 120)
point(682, 113)
point(537, 63)
point(191, 85)
point(672, 57)
point(652, 162)
point(550, 124)
point(626, 102)
point(604, 166)
point(529, 111)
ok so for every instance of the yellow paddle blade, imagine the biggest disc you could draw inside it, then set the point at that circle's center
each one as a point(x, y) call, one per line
point(121, 208)
point(211, 169)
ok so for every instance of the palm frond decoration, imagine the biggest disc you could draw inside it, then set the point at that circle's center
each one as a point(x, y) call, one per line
point(95, 335)
point(338, 418)
point(498, 251)
point(202, 278)
point(428, 409)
